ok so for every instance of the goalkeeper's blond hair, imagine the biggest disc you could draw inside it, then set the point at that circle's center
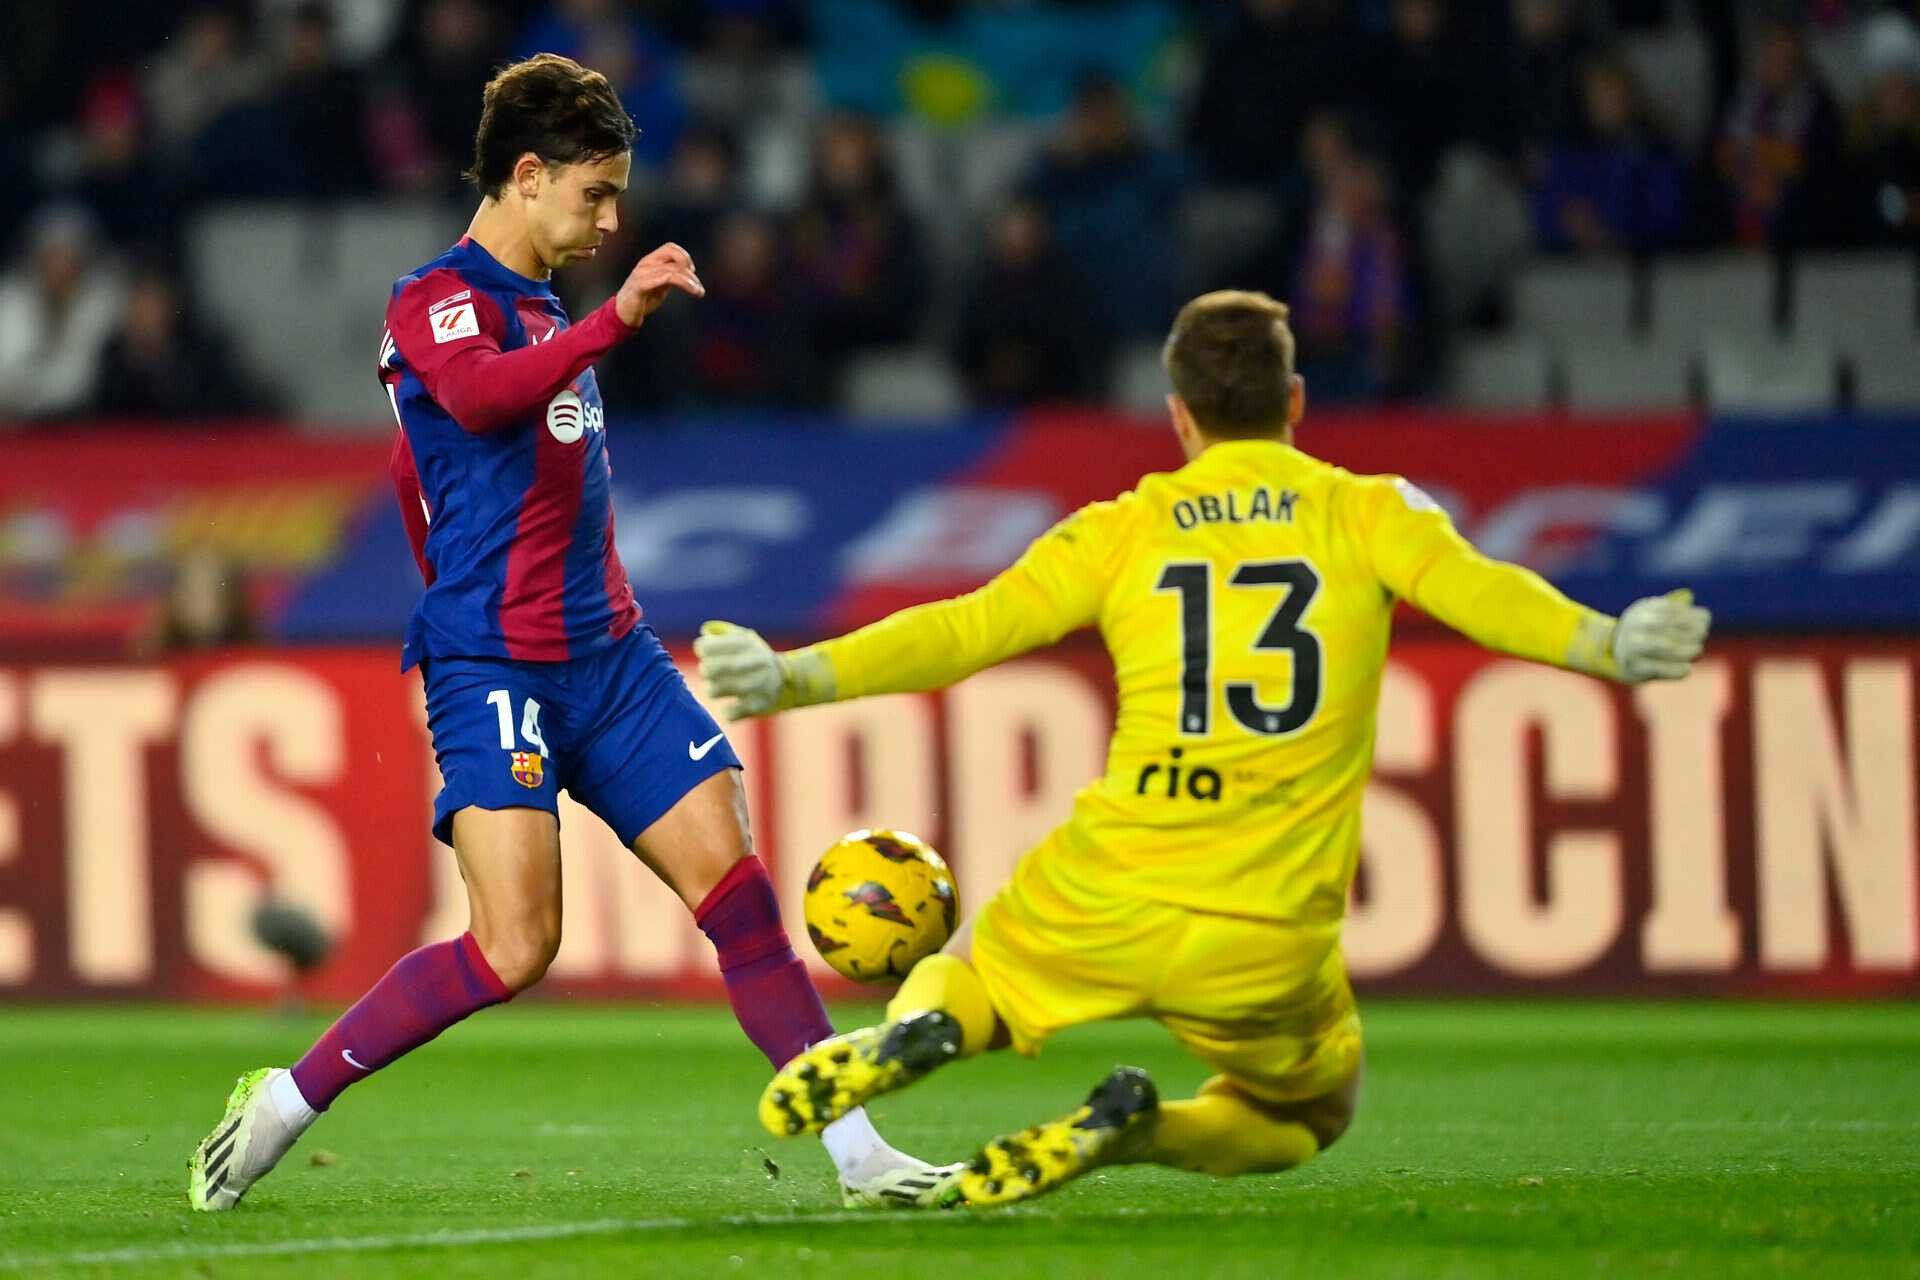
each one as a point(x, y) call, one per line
point(1230, 357)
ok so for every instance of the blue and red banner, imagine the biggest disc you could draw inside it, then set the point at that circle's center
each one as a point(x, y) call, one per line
point(802, 526)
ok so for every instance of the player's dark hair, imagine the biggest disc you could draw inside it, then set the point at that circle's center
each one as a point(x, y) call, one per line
point(1230, 357)
point(553, 107)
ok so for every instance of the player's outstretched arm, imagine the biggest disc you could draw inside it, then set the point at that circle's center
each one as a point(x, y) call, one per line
point(1422, 559)
point(1052, 589)
point(929, 646)
point(484, 388)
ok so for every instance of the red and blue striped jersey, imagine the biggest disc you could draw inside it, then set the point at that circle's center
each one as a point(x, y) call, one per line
point(501, 464)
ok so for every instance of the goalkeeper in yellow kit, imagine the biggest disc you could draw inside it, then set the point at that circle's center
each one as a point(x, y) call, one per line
point(1246, 599)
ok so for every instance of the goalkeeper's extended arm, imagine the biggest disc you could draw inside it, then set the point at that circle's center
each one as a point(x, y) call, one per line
point(1515, 611)
point(929, 646)
point(1052, 589)
point(1423, 560)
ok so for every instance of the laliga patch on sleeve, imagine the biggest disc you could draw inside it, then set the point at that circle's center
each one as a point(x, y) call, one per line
point(1416, 498)
point(455, 322)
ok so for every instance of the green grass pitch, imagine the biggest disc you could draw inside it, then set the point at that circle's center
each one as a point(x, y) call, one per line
point(1495, 1139)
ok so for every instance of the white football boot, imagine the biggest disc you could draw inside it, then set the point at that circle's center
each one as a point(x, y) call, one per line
point(906, 1186)
point(243, 1148)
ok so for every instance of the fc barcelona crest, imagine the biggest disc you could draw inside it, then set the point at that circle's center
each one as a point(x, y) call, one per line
point(527, 770)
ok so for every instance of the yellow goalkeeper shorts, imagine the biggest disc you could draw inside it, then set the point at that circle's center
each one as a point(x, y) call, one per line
point(1266, 1004)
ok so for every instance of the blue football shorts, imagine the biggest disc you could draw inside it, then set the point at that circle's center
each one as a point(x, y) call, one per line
point(618, 730)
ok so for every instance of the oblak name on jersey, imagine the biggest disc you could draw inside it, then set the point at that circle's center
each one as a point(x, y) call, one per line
point(1236, 507)
point(501, 465)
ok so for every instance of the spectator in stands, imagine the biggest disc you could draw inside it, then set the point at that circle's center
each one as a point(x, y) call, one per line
point(1884, 136)
point(1110, 196)
point(1268, 66)
point(742, 32)
point(1029, 331)
point(363, 31)
point(116, 175)
point(856, 251)
point(1777, 152)
point(16, 158)
point(56, 314)
point(162, 363)
point(748, 342)
point(206, 607)
point(424, 103)
point(321, 105)
point(1352, 283)
point(1538, 96)
point(1420, 82)
point(642, 63)
point(1617, 186)
point(702, 187)
point(202, 71)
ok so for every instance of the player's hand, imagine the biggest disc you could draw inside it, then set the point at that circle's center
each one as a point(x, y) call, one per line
point(652, 279)
point(737, 664)
point(1659, 637)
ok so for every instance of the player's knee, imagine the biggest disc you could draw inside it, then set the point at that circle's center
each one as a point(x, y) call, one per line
point(520, 953)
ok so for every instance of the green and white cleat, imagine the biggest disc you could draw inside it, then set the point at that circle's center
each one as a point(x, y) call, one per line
point(914, 1186)
point(243, 1147)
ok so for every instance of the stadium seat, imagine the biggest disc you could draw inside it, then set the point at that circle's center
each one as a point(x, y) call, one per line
point(1514, 372)
point(253, 268)
point(775, 159)
point(1673, 68)
point(1848, 296)
point(1864, 305)
point(902, 386)
point(726, 89)
point(1886, 371)
point(1627, 375)
point(1219, 228)
point(1573, 303)
point(335, 268)
point(1476, 230)
point(1839, 59)
point(1727, 291)
point(1139, 381)
point(1743, 374)
point(374, 244)
point(993, 160)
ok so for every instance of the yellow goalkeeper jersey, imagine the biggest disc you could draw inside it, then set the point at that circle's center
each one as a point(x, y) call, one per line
point(1246, 600)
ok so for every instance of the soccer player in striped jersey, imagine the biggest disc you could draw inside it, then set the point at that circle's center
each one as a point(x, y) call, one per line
point(1246, 599)
point(539, 672)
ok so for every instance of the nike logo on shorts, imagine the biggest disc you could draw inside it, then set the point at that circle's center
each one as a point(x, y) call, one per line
point(700, 752)
point(353, 1061)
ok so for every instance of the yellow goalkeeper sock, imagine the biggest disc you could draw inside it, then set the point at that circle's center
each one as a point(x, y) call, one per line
point(1223, 1133)
point(949, 984)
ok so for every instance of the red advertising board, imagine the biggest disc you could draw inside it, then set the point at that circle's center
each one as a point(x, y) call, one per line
point(1752, 829)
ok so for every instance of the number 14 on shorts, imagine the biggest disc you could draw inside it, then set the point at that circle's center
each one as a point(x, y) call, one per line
point(502, 703)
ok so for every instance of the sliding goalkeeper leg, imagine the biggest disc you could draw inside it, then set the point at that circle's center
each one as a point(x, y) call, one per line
point(940, 1013)
point(1225, 1131)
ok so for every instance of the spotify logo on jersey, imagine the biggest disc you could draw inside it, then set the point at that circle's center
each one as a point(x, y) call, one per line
point(568, 418)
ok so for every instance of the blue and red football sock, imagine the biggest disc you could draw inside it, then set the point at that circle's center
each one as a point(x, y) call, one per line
point(424, 993)
point(772, 997)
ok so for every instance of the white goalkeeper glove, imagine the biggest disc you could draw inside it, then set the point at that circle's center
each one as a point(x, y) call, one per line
point(1658, 638)
point(737, 665)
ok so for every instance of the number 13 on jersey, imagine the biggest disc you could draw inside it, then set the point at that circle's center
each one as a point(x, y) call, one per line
point(1193, 580)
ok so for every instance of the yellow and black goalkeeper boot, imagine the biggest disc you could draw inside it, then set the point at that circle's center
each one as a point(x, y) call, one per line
point(835, 1076)
point(1115, 1124)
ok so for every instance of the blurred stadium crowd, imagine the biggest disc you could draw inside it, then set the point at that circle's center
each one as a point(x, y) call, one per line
point(1595, 202)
